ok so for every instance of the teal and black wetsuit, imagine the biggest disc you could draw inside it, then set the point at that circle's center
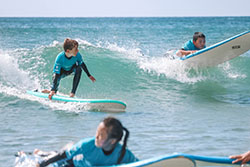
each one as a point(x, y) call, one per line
point(64, 66)
point(86, 154)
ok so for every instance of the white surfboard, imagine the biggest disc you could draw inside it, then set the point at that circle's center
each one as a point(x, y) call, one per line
point(183, 160)
point(211, 161)
point(108, 105)
point(175, 160)
point(219, 52)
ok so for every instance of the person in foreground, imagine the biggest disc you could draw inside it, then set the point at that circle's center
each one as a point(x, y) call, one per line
point(243, 158)
point(67, 62)
point(103, 150)
point(193, 45)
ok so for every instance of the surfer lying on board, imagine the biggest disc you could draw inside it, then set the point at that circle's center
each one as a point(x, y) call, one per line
point(193, 45)
point(244, 158)
point(67, 62)
point(103, 150)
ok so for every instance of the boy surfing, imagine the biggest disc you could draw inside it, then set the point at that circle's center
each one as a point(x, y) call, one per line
point(67, 62)
point(193, 45)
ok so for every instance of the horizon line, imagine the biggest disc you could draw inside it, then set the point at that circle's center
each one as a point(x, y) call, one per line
point(111, 16)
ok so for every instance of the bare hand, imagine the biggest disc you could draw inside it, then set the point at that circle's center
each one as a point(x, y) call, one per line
point(242, 157)
point(92, 78)
point(36, 152)
point(193, 51)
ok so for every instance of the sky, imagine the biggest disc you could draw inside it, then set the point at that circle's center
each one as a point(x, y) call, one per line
point(123, 8)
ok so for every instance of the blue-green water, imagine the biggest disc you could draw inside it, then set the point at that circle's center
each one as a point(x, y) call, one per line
point(169, 108)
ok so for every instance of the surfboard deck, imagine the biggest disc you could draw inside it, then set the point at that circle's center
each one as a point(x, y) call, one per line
point(163, 161)
point(183, 160)
point(91, 104)
point(219, 52)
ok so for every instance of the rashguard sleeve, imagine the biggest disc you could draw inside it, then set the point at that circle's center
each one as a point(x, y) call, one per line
point(84, 67)
point(55, 158)
point(57, 68)
point(55, 83)
point(82, 64)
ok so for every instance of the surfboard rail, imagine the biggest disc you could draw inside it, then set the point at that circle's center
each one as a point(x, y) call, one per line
point(167, 160)
point(92, 104)
point(164, 160)
point(196, 160)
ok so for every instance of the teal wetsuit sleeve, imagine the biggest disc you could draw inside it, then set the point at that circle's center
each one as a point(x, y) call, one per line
point(58, 64)
point(57, 71)
point(57, 68)
point(79, 58)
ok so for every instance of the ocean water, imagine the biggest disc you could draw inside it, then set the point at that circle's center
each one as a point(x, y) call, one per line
point(169, 108)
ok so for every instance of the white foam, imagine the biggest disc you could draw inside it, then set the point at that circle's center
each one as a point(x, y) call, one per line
point(12, 75)
point(14, 81)
point(173, 69)
point(131, 53)
point(231, 72)
point(24, 160)
point(70, 107)
point(54, 44)
point(162, 65)
point(84, 42)
point(63, 106)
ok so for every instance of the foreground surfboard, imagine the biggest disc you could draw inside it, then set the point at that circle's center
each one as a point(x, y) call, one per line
point(163, 161)
point(183, 160)
point(92, 104)
point(219, 52)
point(174, 160)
